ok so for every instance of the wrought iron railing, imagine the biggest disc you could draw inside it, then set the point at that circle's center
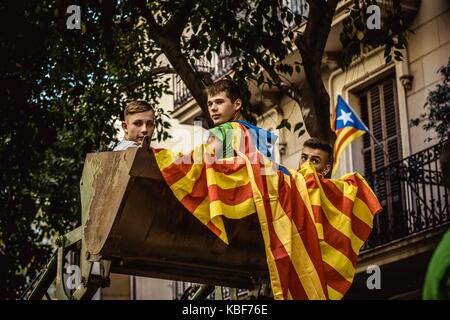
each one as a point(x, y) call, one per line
point(221, 64)
point(217, 66)
point(413, 197)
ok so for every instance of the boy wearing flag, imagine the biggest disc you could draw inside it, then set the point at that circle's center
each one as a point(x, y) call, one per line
point(312, 237)
point(224, 106)
point(224, 101)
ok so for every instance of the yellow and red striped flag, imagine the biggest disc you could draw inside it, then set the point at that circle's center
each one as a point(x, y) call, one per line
point(312, 228)
point(343, 212)
point(347, 126)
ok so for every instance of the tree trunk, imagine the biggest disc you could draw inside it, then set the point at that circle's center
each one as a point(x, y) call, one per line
point(191, 79)
point(168, 38)
point(315, 112)
point(315, 104)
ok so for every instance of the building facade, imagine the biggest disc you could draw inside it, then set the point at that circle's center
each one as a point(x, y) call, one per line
point(406, 177)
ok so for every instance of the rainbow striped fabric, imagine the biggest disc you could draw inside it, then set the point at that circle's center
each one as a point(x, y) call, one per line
point(347, 126)
point(313, 228)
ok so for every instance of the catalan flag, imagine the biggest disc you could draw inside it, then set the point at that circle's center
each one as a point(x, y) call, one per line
point(347, 126)
point(343, 212)
point(312, 228)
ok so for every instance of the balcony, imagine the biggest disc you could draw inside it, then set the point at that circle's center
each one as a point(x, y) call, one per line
point(216, 67)
point(413, 197)
point(415, 216)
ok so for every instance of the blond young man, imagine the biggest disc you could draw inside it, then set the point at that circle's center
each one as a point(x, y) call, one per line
point(139, 121)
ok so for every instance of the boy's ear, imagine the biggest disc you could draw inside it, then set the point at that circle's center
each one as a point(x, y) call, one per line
point(237, 104)
point(327, 169)
point(125, 127)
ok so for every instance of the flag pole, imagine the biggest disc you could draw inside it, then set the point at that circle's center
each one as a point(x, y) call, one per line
point(380, 145)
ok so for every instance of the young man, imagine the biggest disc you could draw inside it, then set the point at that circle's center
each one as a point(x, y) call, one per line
point(319, 154)
point(224, 101)
point(139, 121)
point(224, 106)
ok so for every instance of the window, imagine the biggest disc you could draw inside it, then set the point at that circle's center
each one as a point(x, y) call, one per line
point(379, 112)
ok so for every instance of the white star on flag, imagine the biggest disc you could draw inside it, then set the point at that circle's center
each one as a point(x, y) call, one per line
point(345, 117)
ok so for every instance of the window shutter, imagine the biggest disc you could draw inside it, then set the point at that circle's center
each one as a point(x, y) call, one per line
point(380, 114)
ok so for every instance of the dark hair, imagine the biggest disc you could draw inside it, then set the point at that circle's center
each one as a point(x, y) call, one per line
point(444, 159)
point(228, 86)
point(316, 143)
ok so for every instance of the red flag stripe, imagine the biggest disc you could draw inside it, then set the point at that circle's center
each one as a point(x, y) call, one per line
point(344, 138)
point(290, 200)
point(365, 195)
point(337, 198)
point(341, 143)
point(198, 194)
point(178, 169)
point(336, 280)
point(230, 196)
point(288, 276)
point(256, 167)
point(214, 229)
point(228, 168)
point(345, 205)
point(334, 237)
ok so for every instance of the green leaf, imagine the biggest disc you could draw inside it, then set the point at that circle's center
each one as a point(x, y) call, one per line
point(298, 126)
point(298, 19)
point(284, 124)
point(289, 17)
point(301, 132)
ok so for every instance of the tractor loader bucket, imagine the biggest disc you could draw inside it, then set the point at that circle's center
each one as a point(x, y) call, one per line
point(132, 219)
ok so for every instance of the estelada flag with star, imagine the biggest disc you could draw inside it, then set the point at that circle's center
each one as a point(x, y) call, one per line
point(347, 126)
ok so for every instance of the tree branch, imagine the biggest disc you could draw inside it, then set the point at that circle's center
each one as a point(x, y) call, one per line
point(170, 45)
point(148, 76)
point(294, 94)
point(154, 29)
point(107, 9)
point(179, 19)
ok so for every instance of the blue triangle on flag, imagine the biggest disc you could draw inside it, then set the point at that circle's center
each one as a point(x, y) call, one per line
point(345, 117)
